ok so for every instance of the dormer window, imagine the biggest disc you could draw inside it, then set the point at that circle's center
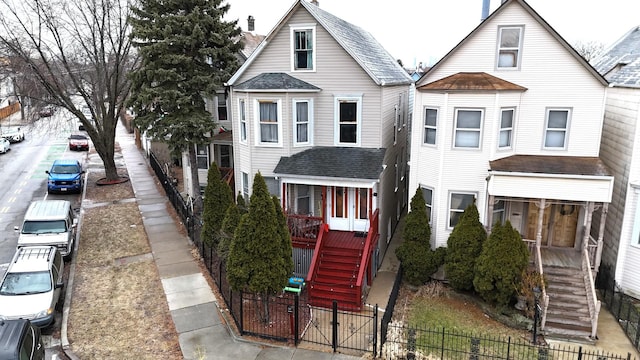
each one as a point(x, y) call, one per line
point(509, 47)
point(303, 45)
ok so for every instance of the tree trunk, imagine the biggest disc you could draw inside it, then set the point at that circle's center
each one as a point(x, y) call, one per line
point(104, 143)
point(195, 183)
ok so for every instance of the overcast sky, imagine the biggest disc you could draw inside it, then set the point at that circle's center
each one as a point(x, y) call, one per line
point(424, 30)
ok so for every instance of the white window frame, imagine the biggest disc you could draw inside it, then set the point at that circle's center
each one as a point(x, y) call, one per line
point(427, 127)
point(351, 99)
point(242, 114)
point(294, 116)
point(221, 103)
point(635, 232)
point(468, 130)
point(200, 156)
point(500, 213)
point(428, 205)
point(564, 130)
point(293, 30)
point(508, 129)
point(461, 211)
point(258, 132)
point(245, 187)
point(396, 121)
point(308, 196)
point(397, 174)
point(518, 49)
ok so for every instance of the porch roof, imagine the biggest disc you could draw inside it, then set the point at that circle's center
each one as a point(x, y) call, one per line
point(334, 162)
point(566, 165)
point(276, 82)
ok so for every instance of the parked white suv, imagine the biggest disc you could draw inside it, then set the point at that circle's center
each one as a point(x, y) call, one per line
point(31, 287)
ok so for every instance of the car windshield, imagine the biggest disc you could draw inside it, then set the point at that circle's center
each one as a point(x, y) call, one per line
point(26, 283)
point(11, 130)
point(65, 169)
point(78, 137)
point(44, 227)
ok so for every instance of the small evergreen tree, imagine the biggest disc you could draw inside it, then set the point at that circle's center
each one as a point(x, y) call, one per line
point(499, 267)
point(463, 248)
point(242, 205)
point(416, 223)
point(229, 226)
point(285, 239)
point(217, 198)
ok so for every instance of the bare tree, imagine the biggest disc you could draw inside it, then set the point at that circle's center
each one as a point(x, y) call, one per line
point(588, 49)
point(80, 53)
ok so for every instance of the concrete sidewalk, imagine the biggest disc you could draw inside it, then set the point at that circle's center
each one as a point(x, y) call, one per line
point(203, 332)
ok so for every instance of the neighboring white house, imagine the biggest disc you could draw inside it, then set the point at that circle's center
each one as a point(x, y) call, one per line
point(511, 118)
point(620, 150)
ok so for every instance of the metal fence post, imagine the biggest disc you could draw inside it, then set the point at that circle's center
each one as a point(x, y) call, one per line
point(241, 312)
point(375, 331)
point(334, 327)
point(637, 342)
point(296, 313)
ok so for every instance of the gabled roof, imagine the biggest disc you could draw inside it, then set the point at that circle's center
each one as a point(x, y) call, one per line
point(360, 44)
point(471, 81)
point(334, 162)
point(560, 165)
point(250, 41)
point(620, 63)
point(540, 20)
point(274, 82)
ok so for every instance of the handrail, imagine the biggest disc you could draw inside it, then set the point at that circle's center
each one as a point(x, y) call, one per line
point(366, 253)
point(312, 269)
point(545, 297)
point(592, 299)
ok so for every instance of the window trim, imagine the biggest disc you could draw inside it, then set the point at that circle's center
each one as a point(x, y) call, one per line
point(293, 30)
point(207, 155)
point(428, 206)
point(425, 126)
point(294, 116)
point(519, 49)
point(455, 128)
point(222, 105)
point(245, 186)
point(565, 145)
point(336, 108)
point(242, 115)
point(449, 210)
point(258, 137)
point(511, 129)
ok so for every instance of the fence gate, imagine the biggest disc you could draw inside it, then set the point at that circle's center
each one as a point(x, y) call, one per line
point(343, 331)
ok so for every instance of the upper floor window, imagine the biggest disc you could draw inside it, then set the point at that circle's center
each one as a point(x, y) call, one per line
point(303, 41)
point(468, 126)
point(222, 107)
point(395, 125)
point(458, 203)
point(242, 114)
point(506, 128)
point(430, 126)
point(557, 126)
point(509, 47)
point(348, 120)
point(268, 122)
point(302, 122)
point(202, 156)
point(427, 195)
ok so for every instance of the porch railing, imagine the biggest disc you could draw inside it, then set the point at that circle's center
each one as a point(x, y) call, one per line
point(592, 299)
point(304, 229)
point(592, 249)
point(369, 246)
point(316, 252)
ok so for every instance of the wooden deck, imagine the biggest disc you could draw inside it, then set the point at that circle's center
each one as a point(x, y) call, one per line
point(345, 239)
point(561, 257)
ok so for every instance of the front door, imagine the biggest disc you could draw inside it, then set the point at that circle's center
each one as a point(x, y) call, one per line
point(348, 208)
point(559, 224)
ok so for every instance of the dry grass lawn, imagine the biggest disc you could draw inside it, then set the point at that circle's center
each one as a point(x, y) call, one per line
point(118, 306)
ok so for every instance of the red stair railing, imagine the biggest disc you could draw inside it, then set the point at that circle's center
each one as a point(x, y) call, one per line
point(365, 262)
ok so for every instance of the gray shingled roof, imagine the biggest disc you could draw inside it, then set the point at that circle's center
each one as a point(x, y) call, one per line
point(334, 162)
point(364, 48)
point(275, 81)
point(620, 64)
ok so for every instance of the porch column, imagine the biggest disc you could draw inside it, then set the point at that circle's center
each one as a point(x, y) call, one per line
point(490, 214)
point(541, 208)
point(587, 225)
point(603, 220)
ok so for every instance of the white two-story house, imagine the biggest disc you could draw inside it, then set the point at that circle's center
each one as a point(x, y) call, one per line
point(320, 109)
point(511, 119)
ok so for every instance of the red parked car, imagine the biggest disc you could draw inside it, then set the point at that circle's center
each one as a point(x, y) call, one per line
point(79, 142)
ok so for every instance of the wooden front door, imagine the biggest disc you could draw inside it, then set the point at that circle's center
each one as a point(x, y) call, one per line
point(558, 224)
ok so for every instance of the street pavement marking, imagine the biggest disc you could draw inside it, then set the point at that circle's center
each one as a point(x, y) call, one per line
point(4, 209)
point(18, 190)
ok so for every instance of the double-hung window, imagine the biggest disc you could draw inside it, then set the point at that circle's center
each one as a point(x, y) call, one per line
point(506, 128)
point(468, 128)
point(222, 106)
point(348, 120)
point(245, 186)
point(458, 202)
point(509, 47)
point(303, 41)
point(242, 112)
point(556, 128)
point(427, 195)
point(302, 110)
point(430, 126)
point(202, 156)
point(499, 212)
point(268, 122)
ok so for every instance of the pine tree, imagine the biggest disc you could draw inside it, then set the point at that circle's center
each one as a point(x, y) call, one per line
point(217, 199)
point(416, 225)
point(187, 53)
point(503, 259)
point(286, 247)
point(242, 205)
point(229, 226)
point(463, 248)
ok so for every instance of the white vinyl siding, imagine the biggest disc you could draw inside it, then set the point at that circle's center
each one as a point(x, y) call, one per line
point(430, 126)
point(505, 137)
point(302, 121)
point(509, 47)
point(468, 128)
point(303, 45)
point(556, 128)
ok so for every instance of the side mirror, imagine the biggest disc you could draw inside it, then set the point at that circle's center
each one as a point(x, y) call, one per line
point(46, 171)
point(16, 228)
point(59, 285)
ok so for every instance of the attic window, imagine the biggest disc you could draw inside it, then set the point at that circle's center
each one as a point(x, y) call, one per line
point(303, 45)
point(509, 47)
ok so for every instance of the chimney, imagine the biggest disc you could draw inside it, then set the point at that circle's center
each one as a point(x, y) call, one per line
point(315, 2)
point(485, 9)
point(251, 23)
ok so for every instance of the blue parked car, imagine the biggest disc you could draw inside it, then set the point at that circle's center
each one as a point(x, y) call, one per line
point(65, 176)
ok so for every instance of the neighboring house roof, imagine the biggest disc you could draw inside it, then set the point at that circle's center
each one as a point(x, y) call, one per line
point(360, 44)
point(334, 162)
point(250, 41)
point(223, 137)
point(560, 165)
point(620, 63)
point(471, 81)
point(274, 82)
point(541, 21)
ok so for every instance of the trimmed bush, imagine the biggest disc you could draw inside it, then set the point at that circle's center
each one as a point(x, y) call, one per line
point(463, 247)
